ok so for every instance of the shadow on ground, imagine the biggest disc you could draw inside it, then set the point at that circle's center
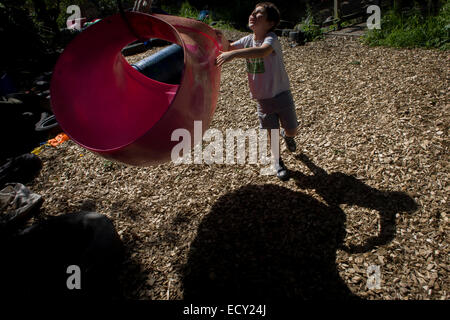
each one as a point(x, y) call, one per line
point(338, 188)
point(268, 242)
point(69, 256)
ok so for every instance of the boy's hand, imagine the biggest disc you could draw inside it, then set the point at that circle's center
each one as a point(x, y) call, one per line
point(224, 57)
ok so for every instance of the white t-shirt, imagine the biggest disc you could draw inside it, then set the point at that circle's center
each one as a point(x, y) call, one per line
point(267, 76)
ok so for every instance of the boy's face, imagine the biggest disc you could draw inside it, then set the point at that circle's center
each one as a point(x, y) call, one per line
point(258, 20)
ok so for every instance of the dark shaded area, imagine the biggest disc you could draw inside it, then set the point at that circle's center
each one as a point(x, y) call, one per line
point(132, 276)
point(22, 169)
point(427, 7)
point(48, 14)
point(27, 47)
point(35, 261)
point(24, 116)
point(268, 242)
point(17, 130)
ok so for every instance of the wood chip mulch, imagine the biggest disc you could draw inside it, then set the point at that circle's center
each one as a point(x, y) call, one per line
point(368, 190)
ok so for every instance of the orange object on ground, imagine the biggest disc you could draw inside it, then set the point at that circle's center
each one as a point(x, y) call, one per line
point(60, 138)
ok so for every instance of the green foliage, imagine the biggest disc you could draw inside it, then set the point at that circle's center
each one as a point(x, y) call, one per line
point(309, 28)
point(188, 11)
point(222, 25)
point(345, 24)
point(412, 29)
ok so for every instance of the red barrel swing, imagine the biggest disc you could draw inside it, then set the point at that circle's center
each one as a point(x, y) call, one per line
point(106, 106)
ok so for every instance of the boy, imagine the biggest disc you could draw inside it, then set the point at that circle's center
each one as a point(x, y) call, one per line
point(268, 80)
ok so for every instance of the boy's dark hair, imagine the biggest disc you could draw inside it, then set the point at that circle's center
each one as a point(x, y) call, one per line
point(273, 14)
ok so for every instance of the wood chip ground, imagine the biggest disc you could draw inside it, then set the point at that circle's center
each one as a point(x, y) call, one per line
point(369, 188)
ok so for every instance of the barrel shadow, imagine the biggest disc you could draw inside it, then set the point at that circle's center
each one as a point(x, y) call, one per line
point(267, 242)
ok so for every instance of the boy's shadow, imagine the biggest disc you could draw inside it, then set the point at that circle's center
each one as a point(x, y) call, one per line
point(339, 188)
point(268, 242)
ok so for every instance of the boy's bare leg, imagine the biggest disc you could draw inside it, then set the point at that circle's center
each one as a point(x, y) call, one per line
point(282, 172)
point(291, 132)
point(289, 135)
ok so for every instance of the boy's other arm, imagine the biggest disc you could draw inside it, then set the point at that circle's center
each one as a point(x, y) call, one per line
point(246, 53)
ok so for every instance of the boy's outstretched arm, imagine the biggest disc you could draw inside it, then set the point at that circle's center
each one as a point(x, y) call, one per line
point(247, 53)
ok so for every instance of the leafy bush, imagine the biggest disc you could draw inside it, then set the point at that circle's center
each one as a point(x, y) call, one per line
point(310, 30)
point(188, 11)
point(412, 29)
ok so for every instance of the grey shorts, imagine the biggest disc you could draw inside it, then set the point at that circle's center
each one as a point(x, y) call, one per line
point(278, 109)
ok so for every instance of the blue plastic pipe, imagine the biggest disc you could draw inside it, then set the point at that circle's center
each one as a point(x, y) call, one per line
point(164, 66)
